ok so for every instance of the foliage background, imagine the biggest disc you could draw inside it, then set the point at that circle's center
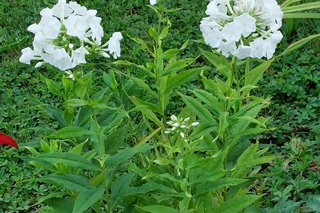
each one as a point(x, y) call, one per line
point(293, 82)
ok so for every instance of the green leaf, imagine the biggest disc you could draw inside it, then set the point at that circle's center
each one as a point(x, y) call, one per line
point(146, 110)
point(183, 77)
point(128, 63)
point(170, 53)
point(215, 88)
point(69, 159)
point(141, 83)
point(199, 109)
point(87, 198)
point(82, 85)
point(56, 114)
point(72, 132)
point(68, 87)
point(218, 185)
point(143, 44)
point(299, 44)
point(162, 161)
point(75, 103)
point(152, 134)
point(223, 123)
point(110, 80)
point(68, 181)
point(176, 66)
point(60, 205)
point(252, 77)
point(125, 154)
point(164, 32)
point(159, 209)
point(145, 104)
point(301, 7)
point(289, 2)
point(53, 86)
point(202, 130)
point(236, 204)
point(233, 139)
point(301, 15)
point(48, 196)
point(211, 101)
point(221, 63)
point(153, 33)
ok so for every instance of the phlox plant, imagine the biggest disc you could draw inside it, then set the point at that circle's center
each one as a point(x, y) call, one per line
point(111, 156)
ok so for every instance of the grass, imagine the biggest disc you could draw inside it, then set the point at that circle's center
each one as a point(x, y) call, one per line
point(293, 82)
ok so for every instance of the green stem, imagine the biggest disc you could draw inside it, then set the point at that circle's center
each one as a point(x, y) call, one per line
point(230, 81)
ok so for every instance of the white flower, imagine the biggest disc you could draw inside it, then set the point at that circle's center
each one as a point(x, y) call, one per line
point(243, 52)
point(245, 23)
point(66, 34)
point(228, 48)
point(27, 55)
point(211, 34)
point(153, 2)
point(76, 26)
point(257, 48)
point(62, 60)
point(49, 27)
point(114, 45)
point(243, 28)
point(79, 56)
point(231, 32)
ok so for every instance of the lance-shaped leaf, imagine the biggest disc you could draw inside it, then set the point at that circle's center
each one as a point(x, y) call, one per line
point(159, 209)
point(127, 153)
point(68, 181)
point(72, 132)
point(199, 109)
point(177, 65)
point(298, 44)
point(252, 77)
point(236, 204)
point(301, 7)
point(69, 159)
point(87, 198)
point(301, 15)
point(183, 77)
point(220, 62)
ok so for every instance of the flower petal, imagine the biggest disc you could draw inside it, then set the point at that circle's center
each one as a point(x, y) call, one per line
point(7, 140)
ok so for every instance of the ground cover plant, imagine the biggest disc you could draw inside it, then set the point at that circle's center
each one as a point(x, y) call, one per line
point(162, 128)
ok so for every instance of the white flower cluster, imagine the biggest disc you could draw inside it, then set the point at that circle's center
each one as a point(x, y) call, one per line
point(243, 28)
point(67, 33)
point(179, 125)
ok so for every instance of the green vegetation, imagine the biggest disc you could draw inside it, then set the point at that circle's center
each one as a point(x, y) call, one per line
point(288, 180)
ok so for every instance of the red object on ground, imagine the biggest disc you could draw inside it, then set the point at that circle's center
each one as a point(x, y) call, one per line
point(7, 140)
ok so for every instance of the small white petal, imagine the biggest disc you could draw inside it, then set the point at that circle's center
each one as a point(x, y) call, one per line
point(170, 123)
point(183, 126)
point(182, 134)
point(153, 2)
point(186, 119)
point(104, 54)
point(174, 118)
point(39, 64)
point(176, 124)
point(195, 123)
